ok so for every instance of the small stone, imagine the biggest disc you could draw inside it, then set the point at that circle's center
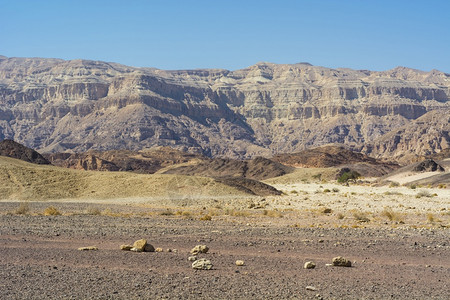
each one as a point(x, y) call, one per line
point(240, 263)
point(199, 249)
point(149, 248)
point(328, 265)
point(321, 241)
point(202, 264)
point(309, 265)
point(140, 244)
point(88, 248)
point(311, 288)
point(134, 249)
point(169, 250)
point(192, 258)
point(341, 262)
point(159, 250)
point(174, 250)
point(126, 247)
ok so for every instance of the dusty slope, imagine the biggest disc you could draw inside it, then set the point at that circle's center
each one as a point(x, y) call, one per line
point(22, 180)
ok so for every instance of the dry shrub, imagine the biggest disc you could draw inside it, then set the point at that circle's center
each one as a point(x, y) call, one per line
point(272, 213)
point(51, 211)
point(327, 211)
point(424, 194)
point(361, 216)
point(205, 218)
point(391, 215)
point(23, 209)
point(167, 212)
point(94, 211)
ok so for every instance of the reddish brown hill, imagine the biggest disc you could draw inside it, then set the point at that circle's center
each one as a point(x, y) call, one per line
point(336, 156)
point(15, 150)
point(148, 161)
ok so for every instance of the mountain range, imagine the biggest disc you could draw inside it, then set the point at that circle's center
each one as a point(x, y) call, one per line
point(53, 105)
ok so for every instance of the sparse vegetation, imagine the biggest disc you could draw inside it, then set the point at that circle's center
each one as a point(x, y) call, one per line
point(326, 190)
point(360, 216)
point(347, 176)
point(426, 194)
point(205, 218)
point(327, 211)
point(335, 190)
point(394, 184)
point(93, 211)
point(340, 216)
point(167, 212)
point(51, 211)
point(23, 209)
point(272, 213)
point(442, 186)
point(391, 215)
point(413, 186)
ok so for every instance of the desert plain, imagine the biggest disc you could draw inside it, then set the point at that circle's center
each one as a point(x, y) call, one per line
point(396, 237)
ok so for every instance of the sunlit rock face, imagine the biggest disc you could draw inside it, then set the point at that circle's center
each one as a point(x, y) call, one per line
point(54, 105)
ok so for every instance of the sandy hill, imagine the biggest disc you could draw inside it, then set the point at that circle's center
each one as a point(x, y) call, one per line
point(426, 172)
point(25, 181)
point(336, 156)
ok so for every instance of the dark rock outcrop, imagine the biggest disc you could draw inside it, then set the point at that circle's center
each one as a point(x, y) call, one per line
point(15, 150)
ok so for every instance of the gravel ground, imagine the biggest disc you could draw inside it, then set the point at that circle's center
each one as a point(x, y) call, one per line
point(40, 260)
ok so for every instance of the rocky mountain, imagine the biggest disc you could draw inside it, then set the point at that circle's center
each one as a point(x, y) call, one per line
point(54, 105)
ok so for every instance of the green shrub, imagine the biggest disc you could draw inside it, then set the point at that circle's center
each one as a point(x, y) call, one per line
point(346, 176)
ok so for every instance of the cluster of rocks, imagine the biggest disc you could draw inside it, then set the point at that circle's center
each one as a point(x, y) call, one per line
point(139, 246)
point(338, 261)
point(206, 264)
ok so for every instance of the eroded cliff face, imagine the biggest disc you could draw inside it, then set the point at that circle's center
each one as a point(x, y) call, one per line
point(55, 105)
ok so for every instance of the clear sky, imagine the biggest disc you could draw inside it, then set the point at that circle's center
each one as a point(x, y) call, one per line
point(229, 34)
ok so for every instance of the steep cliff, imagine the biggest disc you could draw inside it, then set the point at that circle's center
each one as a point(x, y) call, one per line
point(55, 106)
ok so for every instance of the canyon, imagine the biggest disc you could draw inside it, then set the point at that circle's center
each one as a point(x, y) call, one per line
point(54, 106)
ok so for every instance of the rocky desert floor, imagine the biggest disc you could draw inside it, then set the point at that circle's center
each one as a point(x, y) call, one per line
point(397, 239)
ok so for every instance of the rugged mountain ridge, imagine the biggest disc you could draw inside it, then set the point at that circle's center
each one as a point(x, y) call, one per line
point(56, 106)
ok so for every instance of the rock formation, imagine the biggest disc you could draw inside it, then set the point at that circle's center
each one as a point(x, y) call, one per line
point(15, 150)
point(56, 106)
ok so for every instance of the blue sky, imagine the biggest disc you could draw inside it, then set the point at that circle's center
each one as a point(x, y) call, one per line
point(168, 34)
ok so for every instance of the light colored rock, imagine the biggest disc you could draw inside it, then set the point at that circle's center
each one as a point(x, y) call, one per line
point(140, 245)
point(309, 265)
point(159, 250)
point(126, 247)
point(192, 258)
point(341, 262)
point(199, 249)
point(202, 264)
point(311, 288)
point(88, 248)
point(134, 249)
point(240, 263)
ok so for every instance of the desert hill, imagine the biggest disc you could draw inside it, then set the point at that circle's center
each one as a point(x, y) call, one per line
point(54, 105)
point(426, 172)
point(336, 156)
point(21, 180)
point(12, 149)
